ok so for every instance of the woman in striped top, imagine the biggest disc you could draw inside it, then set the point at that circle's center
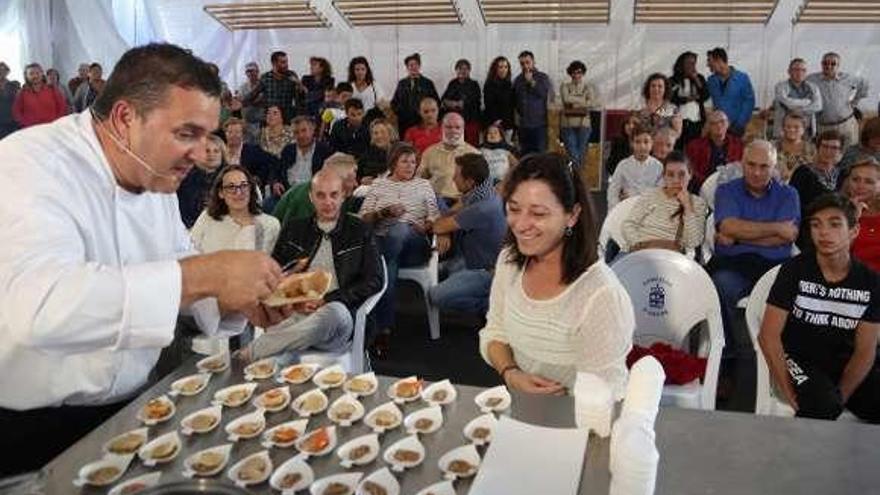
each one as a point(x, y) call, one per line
point(402, 208)
point(667, 217)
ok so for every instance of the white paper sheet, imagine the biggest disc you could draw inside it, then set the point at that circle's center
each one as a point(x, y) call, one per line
point(526, 459)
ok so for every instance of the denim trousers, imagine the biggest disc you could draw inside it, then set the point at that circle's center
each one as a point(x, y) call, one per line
point(463, 290)
point(328, 329)
point(575, 141)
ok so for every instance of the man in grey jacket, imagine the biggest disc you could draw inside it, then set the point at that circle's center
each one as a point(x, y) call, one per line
point(532, 89)
point(796, 94)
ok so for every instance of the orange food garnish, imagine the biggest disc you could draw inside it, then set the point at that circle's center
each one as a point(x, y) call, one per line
point(317, 441)
point(285, 435)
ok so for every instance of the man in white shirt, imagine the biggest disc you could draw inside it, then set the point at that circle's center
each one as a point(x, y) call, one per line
point(96, 264)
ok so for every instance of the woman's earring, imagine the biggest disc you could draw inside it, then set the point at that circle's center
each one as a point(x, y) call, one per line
point(568, 231)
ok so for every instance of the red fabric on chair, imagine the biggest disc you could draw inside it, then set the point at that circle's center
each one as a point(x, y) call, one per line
point(680, 367)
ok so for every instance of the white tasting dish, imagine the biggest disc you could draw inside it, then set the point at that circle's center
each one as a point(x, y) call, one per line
point(146, 452)
point(432, 413)
point(224, 450)
point(370, 439)
point(382, 477)
point(257, 418)
point(410, 442)
point(295, 464)
point(188, 429)
point(234, 471)
point(118, 462)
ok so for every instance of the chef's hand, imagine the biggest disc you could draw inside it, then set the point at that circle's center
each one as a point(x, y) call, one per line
point(238, 279)
point(264, 316)
point(532, 384)
point(310, 307)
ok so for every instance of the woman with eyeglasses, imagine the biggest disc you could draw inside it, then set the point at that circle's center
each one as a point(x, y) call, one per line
point(667, 217)
point(577, 98)
point(554, 309)
point(233, 218)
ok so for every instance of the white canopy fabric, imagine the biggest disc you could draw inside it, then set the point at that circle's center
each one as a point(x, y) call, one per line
point(619, 55)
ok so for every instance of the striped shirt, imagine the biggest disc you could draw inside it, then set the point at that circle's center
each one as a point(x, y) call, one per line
point(416, 196)
point(652, 219)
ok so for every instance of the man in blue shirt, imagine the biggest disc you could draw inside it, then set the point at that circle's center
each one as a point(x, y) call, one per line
point(731, 91)
point(757, 219)
point(475, 228)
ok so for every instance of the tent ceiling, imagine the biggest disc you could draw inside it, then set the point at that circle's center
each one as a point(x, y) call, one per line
point(391, 12)
point(266, 15)
point(839, 11)
point(544, 11)
point(703, 11)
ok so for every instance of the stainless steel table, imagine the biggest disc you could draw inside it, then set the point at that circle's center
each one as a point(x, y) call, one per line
point(700, 452)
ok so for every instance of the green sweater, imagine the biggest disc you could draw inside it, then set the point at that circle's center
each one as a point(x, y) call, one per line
point(295, 203)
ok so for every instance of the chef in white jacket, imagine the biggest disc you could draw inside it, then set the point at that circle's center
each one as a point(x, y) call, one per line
point(95, 264)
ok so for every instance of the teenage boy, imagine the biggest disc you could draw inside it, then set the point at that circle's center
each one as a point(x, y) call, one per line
point(819, 333)
point(636, 173)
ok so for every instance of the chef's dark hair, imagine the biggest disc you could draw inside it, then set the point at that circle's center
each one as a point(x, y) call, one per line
point(144, 75)
point(557, 171)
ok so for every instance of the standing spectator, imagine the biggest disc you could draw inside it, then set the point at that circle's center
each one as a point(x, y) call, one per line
point(499, 154)
point(300, 159)
point(796, 94)
point(410, 92)
point(731, 91)
point(635, 174)
point(8, 91)
point(349, 135)
point(757, 221)
point(374, 163)
point(364, 86)
point(819, 330)
point(862, 187)
point(867, 147)
point(464, 97)
point(53, 80)
point(89, 90)
point(438, 161)
point(194, 190)
point(658, 111)
point(82, 75)
point(817, 178)
point(275, 136)
point(664, 143)
point(252, 110)
point(473, 236)
point(793, 149)
point(37, 103)
point(532, 89)
point(577, 99)
point(620, 145)
point(428, 132)
point(841, 93)
point(689, 92)
point(261, 164)
point(320, 78)
point(499, 97)
point(717, 148)
point(280, 87)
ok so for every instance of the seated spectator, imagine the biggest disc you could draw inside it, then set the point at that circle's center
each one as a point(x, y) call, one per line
point(862, 187)
point(757, 219)
point(818, 178)
point(620, 145)
point(335, 242)
point(689, 92)
point(464, 97)
point(554, 308)
point(868, 147)
point(636, 174)
point(438, 161)
point(428, 131)
point(664, 143)
point(320, 78)
point(88, 91)
point(667, 217)
point(261, 164)
point(195, 189)
point(716, 148)
point(233, 218)
point(349, 135)
point(297, 201)
point(793, 149)
point(275, 136)
point(819, 331)
point(300, 159)
point(500, 154)
point(53, 80)
point(577, 98)
point(401, 208)
point(37, 103)
point(472, 235)
point(658, 111)
point(374, 162)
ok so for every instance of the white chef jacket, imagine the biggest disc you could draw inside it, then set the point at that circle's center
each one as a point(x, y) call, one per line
point(89, 283)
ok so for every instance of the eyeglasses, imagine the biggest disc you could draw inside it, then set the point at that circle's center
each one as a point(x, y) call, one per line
point(237, 188)
point(830, 147)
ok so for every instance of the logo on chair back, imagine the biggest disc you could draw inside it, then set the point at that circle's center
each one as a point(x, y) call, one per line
point(656, 300)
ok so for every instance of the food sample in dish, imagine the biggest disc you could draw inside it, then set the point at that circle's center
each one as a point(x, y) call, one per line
point(207, 462)
point(408, 389)
point(214, 365)
point(439, 395)
point(405, 455)
point(494, 401)
point(157, 409)
point(133, 488)
point(343, 410)
point(316, 441)
point(385, 419)
point(481, 432)
point(335, 488)
point(247, 429)
point(303, 286)
point(360, 385)
point(359, 452)
point(273, 398)
point(372, 488)
point(253, 469)
point(236, 397)
point(261, 369)
point(460, 467)
point(284, 435)
point(299, 373)
point(163, 451)
point(333, 378)
point(290, 480)
point(103, 475)
point(127, 443)
point(202, 422)
point(424, 424)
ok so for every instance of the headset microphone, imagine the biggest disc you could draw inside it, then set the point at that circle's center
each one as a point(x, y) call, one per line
point(131, 153)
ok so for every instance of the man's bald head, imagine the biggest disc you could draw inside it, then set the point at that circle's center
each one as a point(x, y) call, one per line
point(327, 195)
point(453, 129)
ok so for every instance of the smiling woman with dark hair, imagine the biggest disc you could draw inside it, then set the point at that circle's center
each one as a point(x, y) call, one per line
point(554, 308)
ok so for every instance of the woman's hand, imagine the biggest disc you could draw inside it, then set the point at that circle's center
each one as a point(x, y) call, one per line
point(684, 198)
point(277, 189)
point(518, 379)
point(393, 211)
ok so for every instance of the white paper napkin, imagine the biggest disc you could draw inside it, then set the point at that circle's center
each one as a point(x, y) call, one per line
point(593, 404)
point(633, 458)
point(643, 391)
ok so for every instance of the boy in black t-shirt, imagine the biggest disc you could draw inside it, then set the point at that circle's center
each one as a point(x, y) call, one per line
point(819, 332)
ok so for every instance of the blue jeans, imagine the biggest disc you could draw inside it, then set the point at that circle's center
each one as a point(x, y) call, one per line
point(532, 140)
point(328, 329)
point(575, 140)
point(463, 290)
point(734, 278)
point(401, 246)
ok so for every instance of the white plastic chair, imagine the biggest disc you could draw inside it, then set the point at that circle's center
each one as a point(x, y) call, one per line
point(352, 360)
point(426, 276)
point(612, 227)
point(671, 294)
point(707, 190)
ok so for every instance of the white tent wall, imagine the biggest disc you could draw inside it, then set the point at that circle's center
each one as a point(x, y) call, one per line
point(619, 55)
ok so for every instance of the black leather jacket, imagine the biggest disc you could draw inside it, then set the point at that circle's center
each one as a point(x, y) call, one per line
point(355, 255)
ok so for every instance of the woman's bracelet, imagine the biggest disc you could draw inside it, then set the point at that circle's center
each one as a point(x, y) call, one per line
point(507, 368)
